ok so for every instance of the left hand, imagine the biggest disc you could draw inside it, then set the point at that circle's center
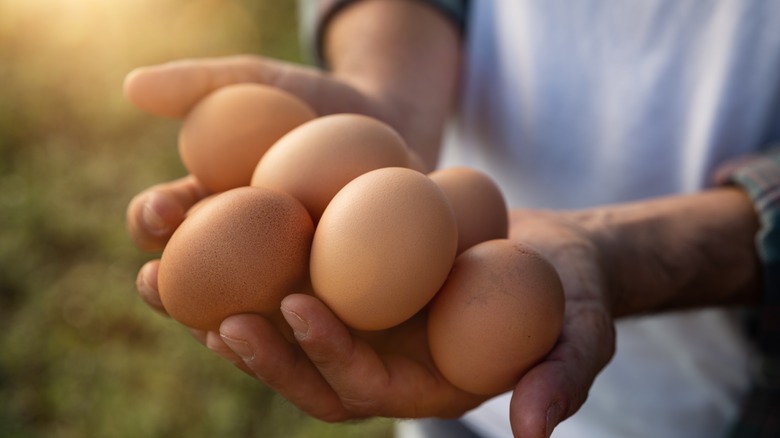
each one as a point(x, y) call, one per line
point(335, 374)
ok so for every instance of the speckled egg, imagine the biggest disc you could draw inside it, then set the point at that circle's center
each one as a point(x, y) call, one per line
point(240, 252)
point(499, 313)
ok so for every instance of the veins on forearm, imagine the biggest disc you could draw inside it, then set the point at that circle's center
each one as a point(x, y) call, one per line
point(681, 252)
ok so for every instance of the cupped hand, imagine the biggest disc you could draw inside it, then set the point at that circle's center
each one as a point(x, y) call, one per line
point(332, 372)
point(172, 89)
point(335, 374)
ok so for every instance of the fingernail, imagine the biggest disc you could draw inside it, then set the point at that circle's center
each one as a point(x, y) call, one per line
point(299, 325)
point(552, 418)
point(153, 221)
point(240, 347)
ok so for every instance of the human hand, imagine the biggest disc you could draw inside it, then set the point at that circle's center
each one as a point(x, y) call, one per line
point(668, 253)
point(171, 90)
point(613, 261)
point(335, 374)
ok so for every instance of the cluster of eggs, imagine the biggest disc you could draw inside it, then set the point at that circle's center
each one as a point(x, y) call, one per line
point(337, 206)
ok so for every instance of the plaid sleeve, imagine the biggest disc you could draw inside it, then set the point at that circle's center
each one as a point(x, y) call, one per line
point(316, 14)
point(759, 176)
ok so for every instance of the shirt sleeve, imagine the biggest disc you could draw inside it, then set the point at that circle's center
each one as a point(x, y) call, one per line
point(759, 176)
point(316, 14)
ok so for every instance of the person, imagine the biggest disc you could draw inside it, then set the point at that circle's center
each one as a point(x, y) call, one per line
point(605, 124)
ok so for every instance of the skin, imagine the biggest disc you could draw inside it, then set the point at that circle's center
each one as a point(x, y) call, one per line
point(683, 251)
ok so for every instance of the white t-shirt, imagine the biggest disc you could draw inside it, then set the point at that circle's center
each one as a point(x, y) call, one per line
point(571, 104)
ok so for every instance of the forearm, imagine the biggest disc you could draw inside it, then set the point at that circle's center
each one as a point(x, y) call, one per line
point(679, 252)
point(406, 55)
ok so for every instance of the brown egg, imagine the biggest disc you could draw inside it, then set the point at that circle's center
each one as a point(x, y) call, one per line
point(240, 252)
point(479, 205)
point(315, 160)
point(383, 247)
point(498, 314)
point(225, 134)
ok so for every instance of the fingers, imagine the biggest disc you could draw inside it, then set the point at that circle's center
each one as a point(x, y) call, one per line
point(348, 364)
point(332, 374)
point(154, 214)
point(172, 89)
point(214, 341)
point(146, 284)
point(282, 366)
point(557, 388)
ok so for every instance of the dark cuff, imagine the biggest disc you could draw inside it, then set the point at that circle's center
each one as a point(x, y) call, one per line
point(759, 176)
point(316, 15)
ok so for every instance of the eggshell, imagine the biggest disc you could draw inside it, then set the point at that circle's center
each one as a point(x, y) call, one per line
point(383, 247)
point(224, 136)
point(240, 252)
point(498, 314)
point(479, 205)
point(315, 160)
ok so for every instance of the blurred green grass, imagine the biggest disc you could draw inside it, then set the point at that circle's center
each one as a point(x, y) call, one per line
point(80, 355)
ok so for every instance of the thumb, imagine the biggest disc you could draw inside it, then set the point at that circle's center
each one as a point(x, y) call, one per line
point(556, 388)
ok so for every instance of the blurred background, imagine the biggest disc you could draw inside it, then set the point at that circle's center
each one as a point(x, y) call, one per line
point(80, 355)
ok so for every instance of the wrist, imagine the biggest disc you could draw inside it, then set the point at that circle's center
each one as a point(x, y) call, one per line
point(404, 56)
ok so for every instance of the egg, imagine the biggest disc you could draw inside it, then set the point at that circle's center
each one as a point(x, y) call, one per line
point(479, 205)
point(315, 160)
point(498, 314)
point(224, 136)
point(383, 247)
point(242, 251)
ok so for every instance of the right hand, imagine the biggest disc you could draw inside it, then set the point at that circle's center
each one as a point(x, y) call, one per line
point(172, 89)
point(416, 388)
